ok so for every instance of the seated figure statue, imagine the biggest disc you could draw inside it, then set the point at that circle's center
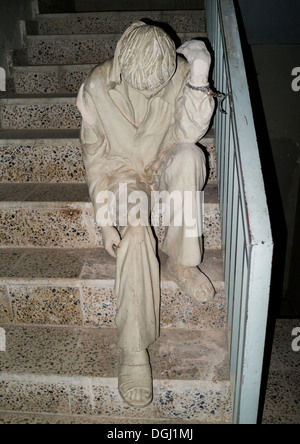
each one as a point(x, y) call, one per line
point(143, 111)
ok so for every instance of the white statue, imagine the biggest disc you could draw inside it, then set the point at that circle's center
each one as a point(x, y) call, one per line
point(143, 111)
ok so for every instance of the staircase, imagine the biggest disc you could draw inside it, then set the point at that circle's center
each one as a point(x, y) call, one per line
point(57, 304)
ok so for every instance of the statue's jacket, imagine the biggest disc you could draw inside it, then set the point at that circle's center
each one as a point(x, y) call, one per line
point(116, 148)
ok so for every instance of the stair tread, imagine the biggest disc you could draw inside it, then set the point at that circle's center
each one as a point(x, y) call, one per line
point(64, 192)
point(95, 264)
point(73, 37)
point(55, 67)
point(178, 12)
point(50, 134)
point(178, 355)
point(68, 419)
point(35, 99)
point(11, 135)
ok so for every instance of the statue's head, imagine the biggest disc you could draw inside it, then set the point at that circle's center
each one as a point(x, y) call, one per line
point(147, 58)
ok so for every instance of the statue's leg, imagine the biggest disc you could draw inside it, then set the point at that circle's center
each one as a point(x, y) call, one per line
point(138, 290)
point(184, 171)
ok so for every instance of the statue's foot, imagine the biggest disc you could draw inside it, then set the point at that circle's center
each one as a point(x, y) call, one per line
point(191, 280)
point(135, 379)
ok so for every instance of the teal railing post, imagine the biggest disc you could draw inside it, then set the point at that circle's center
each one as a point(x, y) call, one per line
point(246, 231)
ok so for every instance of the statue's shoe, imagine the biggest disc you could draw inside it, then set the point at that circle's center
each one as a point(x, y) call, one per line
point(191, 280)
point(135, 379)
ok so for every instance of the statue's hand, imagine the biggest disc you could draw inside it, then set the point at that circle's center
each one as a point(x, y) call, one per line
point(199, 58)
point(111, 240)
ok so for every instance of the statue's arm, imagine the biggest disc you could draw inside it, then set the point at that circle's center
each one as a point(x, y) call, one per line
point(95, 152)
point(94, 146)
point(193, 116)
point(195, 108)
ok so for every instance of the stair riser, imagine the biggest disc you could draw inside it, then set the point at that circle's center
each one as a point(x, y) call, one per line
point(118, 22)
point(42, 162)
point(92, 305)
point(49, 81)
point(185, 400)
point(56, 162)
point(40, 115)
point(76, 49)
point(72, 225)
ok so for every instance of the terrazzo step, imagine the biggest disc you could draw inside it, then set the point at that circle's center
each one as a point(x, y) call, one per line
point(75, 287)
point(34, 112)
point(73, 371)
point(76, 49)
point(43, 156)
point(47, 79)
point(117, 22)
point(62, 216)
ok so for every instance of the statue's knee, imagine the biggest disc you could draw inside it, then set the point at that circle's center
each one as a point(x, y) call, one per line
point(187, 155)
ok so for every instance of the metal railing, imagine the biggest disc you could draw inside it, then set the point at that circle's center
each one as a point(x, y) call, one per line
point(246, 232)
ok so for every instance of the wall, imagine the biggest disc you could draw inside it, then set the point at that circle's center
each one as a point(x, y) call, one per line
point(271, 22)
point(11, 11)
point(273, 33)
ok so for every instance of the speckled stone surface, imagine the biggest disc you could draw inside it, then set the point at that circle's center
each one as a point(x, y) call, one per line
point(281, 407)
point(43, 50)
point(58, 160)
point(193, 402)
point(22, 394)
point(72, 371)
point(58, 79)
point(61, 215)
point(75, 287)
point(107, 23)
point(14, 418)
point(46, 305)
point(58, 226)
point(77, 49)
point(211, 160)
point(6, 315)
point(39, 161)
point(212, 226)
point(39, 113)
point(283, 393)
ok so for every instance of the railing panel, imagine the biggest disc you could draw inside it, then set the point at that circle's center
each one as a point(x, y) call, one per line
point(246, 233)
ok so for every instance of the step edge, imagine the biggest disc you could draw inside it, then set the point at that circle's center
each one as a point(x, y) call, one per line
point(178, 12)
point(38, 99)
point(73, 205)
point(80, 282)
point(49, 141)
point(104, 36)
point(107, 381)
point(36, 136)
point(45, 68)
